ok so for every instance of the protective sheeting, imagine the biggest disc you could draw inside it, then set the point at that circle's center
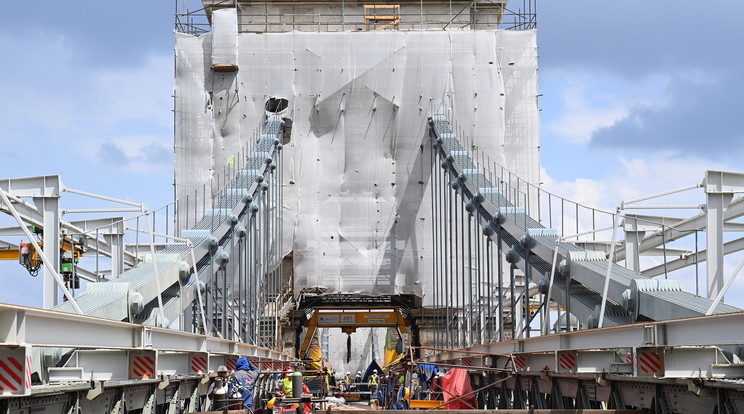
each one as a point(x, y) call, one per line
point(456, 387)
point(391, 347)
point(225, 37)
point(194, 143)
point(362, 345)
point(357, 169)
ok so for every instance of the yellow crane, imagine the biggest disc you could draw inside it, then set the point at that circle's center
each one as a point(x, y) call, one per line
point(348, 319)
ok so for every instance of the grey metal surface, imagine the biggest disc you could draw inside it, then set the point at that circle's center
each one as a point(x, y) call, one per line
point(112, 300)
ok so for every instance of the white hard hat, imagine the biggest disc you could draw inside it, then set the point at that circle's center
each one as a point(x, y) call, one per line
point(348, 373)
point(375, 371)
point(359, 372)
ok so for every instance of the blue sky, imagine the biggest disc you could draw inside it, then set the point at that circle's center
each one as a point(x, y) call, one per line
point(638, 97)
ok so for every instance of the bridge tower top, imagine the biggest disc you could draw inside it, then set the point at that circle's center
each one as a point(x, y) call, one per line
point(274, 16)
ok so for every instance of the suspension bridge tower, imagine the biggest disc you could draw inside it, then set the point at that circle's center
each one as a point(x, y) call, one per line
point(355, 84)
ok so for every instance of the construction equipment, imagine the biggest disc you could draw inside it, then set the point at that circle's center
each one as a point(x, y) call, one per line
point(351, 319)
point(71, 251)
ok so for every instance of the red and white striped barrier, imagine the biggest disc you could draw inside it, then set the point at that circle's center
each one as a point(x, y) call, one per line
point(520, 362)
point(142, 365)
point(272, 366)
point(650, 362)
point(230, 362)
point(198, 363)
point(567, 361)
point(15, 371)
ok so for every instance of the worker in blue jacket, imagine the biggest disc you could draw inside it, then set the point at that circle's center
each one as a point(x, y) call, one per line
point(243, 382)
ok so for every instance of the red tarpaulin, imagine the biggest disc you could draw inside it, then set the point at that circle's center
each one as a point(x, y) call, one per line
point(456, 384)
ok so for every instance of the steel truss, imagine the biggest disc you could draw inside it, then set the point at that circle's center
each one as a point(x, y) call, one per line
point(498, 270)
point(108, 353)
point(483, 218)
point(221, 276)
point(212, 261)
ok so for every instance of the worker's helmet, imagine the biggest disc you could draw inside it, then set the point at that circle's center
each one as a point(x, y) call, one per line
point(359, 372)
point(374, 371)
point(222, 368)
point(348, 373)
point(288, 371)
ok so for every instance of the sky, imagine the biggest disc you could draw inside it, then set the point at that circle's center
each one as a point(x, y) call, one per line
point(637, 97)
point(641, 97)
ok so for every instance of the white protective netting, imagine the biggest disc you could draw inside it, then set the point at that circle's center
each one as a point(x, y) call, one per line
point(357, 170)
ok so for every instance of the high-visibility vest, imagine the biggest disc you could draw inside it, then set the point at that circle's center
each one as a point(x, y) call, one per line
point(347, 379)
point(288, 387)
point(373, 379)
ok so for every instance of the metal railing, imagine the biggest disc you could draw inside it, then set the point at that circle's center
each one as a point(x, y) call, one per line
point(243, 295)
point(263, 17)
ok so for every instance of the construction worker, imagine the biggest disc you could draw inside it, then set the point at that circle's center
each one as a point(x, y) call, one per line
point(218, 389)
point(358, 378)
point(330, 378)
point(347, 381)
point(287, 383)
point(374, 381)
point(287, 391)
point(242, 383)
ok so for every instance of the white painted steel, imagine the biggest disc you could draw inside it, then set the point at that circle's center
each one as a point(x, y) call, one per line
point(716, 204)
point(685, 228)
point(38, 327)
point(51, 237)
point(715, 330)
point(608, 274)
point(693, 258)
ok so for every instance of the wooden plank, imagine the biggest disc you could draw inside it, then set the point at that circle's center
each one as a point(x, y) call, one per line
point(224, 67)
point(381, 6)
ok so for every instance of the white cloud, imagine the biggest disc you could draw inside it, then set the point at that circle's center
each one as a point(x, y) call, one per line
point(635, 168)
point(585, 191)
point(590, 100)
point(580, 117)
point(642, 176)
